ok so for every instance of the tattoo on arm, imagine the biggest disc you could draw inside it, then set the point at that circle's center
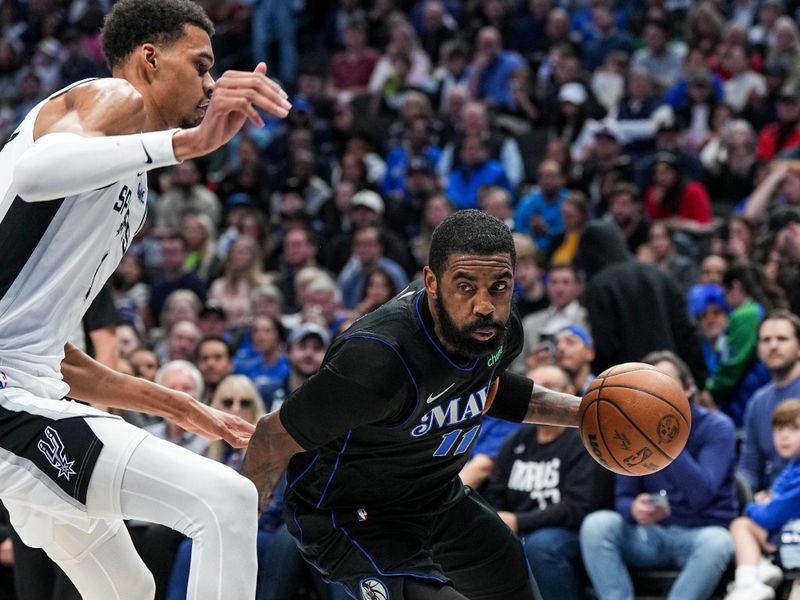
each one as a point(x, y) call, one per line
point(552, 408)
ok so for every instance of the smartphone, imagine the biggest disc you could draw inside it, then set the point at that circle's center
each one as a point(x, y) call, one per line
point(659, 499)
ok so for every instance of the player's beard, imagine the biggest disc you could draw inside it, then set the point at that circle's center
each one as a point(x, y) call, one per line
point(461, 338)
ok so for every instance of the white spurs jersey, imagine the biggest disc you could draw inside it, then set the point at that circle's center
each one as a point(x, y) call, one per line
point(55, 255)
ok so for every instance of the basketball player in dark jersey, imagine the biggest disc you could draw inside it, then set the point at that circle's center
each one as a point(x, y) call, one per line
point(375, 441)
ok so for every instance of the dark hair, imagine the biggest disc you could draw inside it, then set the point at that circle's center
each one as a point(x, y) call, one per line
point(626, 187)
point(782, 314)
point(214, 338)
point(132, 23)
point(752, 280)
point(469, 231)
point(687, 379)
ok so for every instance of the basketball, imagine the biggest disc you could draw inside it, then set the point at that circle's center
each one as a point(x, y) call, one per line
point(634, 419)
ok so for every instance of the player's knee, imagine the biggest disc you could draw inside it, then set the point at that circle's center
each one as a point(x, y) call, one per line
point(238, 502)
point(600, 526)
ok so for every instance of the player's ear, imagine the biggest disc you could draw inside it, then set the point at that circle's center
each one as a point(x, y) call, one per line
point(149, 56)
point(431, 283)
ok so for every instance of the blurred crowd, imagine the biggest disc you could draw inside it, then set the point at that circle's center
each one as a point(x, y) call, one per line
point(646, 155)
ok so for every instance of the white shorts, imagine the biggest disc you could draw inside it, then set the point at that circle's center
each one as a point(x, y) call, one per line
point(54, 465)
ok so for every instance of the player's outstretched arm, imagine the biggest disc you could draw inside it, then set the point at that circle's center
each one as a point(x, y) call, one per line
point(100, 132)
point(95, 383)
point(548, 407)
point(268, 455)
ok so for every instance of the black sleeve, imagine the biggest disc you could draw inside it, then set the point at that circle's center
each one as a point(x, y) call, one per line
point(495, 490)
point(512, 399)
point(101, 312)
point(364, 382)
point(686, 338)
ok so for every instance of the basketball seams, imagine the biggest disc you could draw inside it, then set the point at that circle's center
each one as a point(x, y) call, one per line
point(643, 391)
point(600, 427)
point(636, 427)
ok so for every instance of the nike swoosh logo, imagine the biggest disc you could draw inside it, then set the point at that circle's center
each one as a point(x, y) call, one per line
point(433, 398)
point(149, 160)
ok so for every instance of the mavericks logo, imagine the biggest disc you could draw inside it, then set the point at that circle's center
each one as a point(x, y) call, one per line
point(373, 589)
point(495, 357)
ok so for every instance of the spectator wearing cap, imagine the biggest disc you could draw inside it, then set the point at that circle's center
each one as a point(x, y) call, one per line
point(660, 59)
point(367, 209)
point(421, 183)
point(574, 354)
point(305, 348)
point(186, 195)
point(571, 111)
point(539, 214)
point(784, 134)
point(477, 169)
point(599, 163)
point(626, 211)
point(215, 362)
point(212, 319)
point(491, 70)
point(415, 145)
point(366, 254)
point(708, 309)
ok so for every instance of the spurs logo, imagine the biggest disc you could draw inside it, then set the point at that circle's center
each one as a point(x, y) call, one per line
point(373, 589)
point(53, 450)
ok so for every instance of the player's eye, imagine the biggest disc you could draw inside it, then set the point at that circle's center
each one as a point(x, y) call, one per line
point(500, 286)
point(202, 69)
point(464, 287)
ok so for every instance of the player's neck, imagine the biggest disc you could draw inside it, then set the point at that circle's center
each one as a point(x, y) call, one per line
point(153, 119)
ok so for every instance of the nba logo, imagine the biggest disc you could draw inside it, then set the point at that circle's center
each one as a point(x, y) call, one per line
point(3, 380)
point(362, 514)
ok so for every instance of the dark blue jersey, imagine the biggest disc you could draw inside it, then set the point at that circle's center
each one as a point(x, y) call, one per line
point(391, 417)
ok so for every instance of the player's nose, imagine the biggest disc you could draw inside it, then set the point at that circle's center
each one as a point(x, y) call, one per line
point(483, 303)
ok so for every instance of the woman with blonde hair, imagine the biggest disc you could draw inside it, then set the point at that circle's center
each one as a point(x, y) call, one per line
point(201, 236)
point(237, 395)
point(243, 273)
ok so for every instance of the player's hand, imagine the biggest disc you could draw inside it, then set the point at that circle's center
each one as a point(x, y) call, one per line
point(645, 513)
point(237, 97)
point(216, 424)
point(509, 519)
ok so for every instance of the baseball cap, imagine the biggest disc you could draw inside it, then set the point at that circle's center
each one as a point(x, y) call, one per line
point(789, 92)
point(703, 295)
point(368, 199)
point(305, 330)
point(573, 93)
point(420, 164)
point(212, 308)
point(608, 131)
point(239, 199)
point(578, 332)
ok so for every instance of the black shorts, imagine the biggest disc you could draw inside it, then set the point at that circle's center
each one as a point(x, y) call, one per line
point(465, 545)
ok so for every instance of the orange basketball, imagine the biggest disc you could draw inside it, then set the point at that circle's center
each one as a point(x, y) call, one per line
point(634, 419)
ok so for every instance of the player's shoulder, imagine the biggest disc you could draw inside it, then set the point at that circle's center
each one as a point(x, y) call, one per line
point(106, 106)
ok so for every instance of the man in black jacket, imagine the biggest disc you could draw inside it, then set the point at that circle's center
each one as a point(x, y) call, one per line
point(633, 307)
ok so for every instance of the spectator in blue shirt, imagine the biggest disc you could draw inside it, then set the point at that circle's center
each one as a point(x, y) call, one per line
point(476, 170)
point(492, 68)
point(676, 518)
point(779, 350)
point(416, 143)
point(263, 359)
point(539, 214)
point(756, 533)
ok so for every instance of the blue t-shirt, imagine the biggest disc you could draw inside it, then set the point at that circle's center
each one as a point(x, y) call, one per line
point(785, 503)
point(494, 85)
point(759, 461)
point(535, 204)
point(464, 183)
point(266, 378)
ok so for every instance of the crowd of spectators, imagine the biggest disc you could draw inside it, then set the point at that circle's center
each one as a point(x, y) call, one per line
point(646, 156)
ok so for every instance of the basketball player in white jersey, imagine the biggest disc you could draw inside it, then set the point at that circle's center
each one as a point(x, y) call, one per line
point(73, 192)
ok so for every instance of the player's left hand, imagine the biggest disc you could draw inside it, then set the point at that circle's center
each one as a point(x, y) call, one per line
point(215, 424)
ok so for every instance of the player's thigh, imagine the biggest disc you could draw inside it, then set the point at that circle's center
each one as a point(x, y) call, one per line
point(480, 554)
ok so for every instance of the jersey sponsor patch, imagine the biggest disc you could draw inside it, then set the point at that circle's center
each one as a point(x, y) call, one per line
point(373, 589)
